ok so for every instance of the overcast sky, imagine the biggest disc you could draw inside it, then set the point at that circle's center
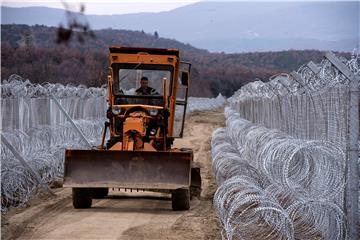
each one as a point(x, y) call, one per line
point(115, 6)
point(106, 6)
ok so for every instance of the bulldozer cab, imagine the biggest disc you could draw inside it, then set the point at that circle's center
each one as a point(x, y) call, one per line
point(127, 78)
point(168, 82)
point(144, 118)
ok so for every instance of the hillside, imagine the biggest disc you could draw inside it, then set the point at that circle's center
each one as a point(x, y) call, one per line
point(232, 26)
point(32, 53)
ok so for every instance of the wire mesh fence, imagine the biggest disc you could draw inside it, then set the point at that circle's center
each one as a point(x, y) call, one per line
point(39, 131)
point(43, 148)
point(25, 105)
point(297, 147)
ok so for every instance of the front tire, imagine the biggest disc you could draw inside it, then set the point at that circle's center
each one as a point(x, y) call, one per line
point(180, 199)
point(82, 197)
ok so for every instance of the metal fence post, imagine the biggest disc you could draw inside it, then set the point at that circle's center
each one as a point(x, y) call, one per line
point(17, 155)
point(352, 188)
point(71, 121)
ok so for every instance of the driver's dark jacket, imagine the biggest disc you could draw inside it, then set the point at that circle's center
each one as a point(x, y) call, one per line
point(147, 91)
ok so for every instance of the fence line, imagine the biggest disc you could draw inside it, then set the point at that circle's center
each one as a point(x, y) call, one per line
point(287, 188)
point(37, 128)
point(311, 106)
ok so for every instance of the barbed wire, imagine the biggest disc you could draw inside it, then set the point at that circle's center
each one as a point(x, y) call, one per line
point(292, 185)
point(285, 143)
point(43, 148)
point(303, 153)
point(311, 82)
point(37, 129)
point(196, 104)
point(16, 86)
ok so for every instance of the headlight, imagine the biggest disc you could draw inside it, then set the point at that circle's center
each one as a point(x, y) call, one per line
point(153, 132)
point(153, 112)
point(116, 110)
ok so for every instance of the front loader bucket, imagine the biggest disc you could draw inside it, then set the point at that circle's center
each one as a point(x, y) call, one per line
point(127, 169)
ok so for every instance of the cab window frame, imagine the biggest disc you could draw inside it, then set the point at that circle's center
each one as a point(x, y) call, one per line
point(117, 66)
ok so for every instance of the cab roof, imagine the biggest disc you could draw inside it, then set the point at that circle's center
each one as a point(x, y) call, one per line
point(135, 50)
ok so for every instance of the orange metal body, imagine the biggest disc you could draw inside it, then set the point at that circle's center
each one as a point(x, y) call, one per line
point(136, 160)
point(145, 56)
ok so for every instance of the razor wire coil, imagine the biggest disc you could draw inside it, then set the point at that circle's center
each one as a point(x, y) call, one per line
point(284, 143)
point(37, 129)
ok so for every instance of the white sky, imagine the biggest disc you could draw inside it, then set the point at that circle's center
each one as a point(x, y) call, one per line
point(119, 6)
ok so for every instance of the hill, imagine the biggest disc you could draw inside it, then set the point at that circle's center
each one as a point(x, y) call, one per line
point(32, 52)
point(230, 26)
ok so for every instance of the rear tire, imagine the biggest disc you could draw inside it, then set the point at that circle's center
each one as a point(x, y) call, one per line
point(81, 197)
point(180, 199)
point(195, 191)
point(99, 193)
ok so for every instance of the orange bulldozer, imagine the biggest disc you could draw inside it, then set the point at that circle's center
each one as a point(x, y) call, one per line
point(147, 98)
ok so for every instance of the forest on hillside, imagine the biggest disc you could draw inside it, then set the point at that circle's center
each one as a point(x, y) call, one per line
point(32, 52)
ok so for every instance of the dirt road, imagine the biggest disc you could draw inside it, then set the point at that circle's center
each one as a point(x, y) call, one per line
point(125, 215)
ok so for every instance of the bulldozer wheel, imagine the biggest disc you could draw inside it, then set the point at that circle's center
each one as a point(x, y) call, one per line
point(195, 191)
point(180, 199)
point(99, 193)
point(195, 186)
point(81, 197)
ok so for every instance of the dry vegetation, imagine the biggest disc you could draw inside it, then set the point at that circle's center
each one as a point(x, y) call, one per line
point(32, 52)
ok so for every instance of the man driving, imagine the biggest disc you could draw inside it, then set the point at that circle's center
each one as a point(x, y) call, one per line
point(144, 89)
